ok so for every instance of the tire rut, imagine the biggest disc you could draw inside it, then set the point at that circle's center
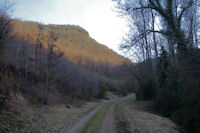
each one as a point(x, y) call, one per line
point(81, 123)
point(108, 125)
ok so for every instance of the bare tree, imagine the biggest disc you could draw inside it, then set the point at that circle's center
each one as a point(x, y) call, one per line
point(38, 45)
point(4, 29)
point(170, 11)
point(154, 34)
point(52, 59)
point(6, 7)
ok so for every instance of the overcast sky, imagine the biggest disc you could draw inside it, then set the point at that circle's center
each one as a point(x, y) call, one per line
point(96, 16)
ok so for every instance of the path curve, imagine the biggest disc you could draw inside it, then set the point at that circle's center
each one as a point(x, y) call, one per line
point(108, 125)
point(81, 123)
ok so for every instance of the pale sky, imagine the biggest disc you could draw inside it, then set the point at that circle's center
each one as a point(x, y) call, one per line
point(96, 16)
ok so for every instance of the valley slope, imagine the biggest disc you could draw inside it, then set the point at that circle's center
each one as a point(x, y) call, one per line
point(73, 40)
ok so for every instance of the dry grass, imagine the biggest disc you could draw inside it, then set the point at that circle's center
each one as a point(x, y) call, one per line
point(144, 122)
point(19, 117)
point(59, 117)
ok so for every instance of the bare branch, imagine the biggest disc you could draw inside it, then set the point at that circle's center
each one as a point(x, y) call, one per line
point(182, 12)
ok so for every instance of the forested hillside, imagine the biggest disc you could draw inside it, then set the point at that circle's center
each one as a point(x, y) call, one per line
point(73, 40)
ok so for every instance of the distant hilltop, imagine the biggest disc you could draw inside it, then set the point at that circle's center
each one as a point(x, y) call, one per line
point(73, 40)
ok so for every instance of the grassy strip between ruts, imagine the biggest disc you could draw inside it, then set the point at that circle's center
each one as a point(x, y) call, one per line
point(122, 123)
point(94, 124)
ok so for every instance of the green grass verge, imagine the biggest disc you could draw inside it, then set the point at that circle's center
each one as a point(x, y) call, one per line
point(120, 114)
point(119, 108)
point(93, 125)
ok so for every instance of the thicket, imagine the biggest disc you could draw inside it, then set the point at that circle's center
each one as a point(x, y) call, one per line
point(40, 71)
point(168, 72)
point(178, 94)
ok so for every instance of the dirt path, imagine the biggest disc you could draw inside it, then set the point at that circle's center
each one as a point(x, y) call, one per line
point(81, 123)
point(140, 120)
point(108, 123)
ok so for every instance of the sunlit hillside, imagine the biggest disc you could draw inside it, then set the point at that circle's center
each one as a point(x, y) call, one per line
point(74, 41)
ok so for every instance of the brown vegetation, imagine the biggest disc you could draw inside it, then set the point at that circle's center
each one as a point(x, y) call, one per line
point(74, 41)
